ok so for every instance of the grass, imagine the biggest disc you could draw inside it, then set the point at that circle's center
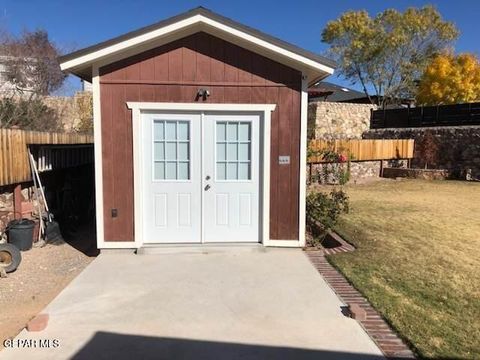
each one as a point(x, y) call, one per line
point(418, 260)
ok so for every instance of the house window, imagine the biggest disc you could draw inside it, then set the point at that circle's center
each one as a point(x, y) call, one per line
point(233, 150)
point(171, 150)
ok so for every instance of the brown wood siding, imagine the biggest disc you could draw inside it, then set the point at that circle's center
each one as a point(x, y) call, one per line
point(173, 73)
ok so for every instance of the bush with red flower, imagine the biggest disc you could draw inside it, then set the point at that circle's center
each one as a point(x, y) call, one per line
point(324, 205)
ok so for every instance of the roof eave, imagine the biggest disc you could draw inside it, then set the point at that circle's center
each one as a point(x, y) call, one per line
point(78, 61)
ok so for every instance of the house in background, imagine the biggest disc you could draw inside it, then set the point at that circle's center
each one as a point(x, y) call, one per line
point(86, 86)
point(327, 91)
point(200, 132)
point(7, 87)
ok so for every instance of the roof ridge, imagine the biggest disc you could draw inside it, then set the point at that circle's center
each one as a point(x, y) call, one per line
point(200, 10)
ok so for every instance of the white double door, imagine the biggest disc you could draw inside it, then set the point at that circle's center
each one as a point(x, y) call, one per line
point(201, 177)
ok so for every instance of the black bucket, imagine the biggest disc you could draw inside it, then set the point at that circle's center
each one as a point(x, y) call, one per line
point(20, 233)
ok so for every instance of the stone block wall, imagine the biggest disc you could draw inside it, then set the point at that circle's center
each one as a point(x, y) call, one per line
point(330, 120)
point(459, 147)
point(6, 209)
point(6, 205)
point(415, 174)
point(68, 109)
point(358, 169)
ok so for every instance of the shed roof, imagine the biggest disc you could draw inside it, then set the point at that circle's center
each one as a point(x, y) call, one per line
point(198, 19)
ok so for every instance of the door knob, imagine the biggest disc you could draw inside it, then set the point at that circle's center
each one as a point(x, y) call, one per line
point(207, 187)
point(207, 177)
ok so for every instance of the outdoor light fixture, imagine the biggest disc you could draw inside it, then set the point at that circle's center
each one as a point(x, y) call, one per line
point(202, 93)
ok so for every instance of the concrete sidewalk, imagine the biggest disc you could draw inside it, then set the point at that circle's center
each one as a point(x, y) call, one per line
point(216, 303)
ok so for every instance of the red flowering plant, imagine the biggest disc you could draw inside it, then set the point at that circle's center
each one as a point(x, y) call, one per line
point(325, 204)
point(333, 166)
point(342, 158)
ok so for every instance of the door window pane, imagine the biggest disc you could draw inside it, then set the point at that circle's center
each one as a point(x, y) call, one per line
point(233, 155)
point(182, 130)
point(244, 132)
point(171, 133)
point(171, 150)
point(183, 171)
point(244, 152)
point(159, 170)
point(232, 152)
point(232, 171)
point(243, 171)
point(232, 131)
point(159, 151)
point(221, 171)
point(158, 127)
point(171, 171)
point(221, 131)
point(183, 151)
point(221, 152)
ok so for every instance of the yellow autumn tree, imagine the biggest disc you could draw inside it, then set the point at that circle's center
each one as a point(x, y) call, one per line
point(450, 79)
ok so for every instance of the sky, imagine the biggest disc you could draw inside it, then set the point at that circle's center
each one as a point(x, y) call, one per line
point(74, 24)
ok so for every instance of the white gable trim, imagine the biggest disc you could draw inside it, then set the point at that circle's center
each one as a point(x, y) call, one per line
point(269, 46)
point(204, 23)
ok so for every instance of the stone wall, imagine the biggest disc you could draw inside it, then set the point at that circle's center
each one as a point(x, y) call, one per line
point(459, 147)
point(6, 209)
point(425, 174)
point(69, 109)
point(358, 170)
point(6, 205)
point(330, 120)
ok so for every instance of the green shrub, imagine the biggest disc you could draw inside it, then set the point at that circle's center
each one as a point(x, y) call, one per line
point(335, 166)
point(323, 210)
point(28, 114)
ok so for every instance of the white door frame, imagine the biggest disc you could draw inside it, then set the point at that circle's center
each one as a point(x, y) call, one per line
point(264, 110)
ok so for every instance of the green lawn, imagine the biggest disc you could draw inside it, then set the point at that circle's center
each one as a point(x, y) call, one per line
point(418, 260)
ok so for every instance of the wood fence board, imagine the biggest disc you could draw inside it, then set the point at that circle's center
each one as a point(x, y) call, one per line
point(365, 149)
point(14, 162)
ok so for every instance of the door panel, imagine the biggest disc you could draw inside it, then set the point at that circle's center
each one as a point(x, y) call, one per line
point(185, 203)
point(231, 178)
point(172, 178)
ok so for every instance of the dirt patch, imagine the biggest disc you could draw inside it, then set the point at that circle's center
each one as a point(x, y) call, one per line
point(43, 273)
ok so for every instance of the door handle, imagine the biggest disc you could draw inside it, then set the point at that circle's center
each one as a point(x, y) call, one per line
point(207, 187)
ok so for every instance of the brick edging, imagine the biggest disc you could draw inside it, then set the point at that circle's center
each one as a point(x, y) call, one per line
point(376, 327)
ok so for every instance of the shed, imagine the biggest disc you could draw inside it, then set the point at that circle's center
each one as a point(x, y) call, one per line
point(200, 133)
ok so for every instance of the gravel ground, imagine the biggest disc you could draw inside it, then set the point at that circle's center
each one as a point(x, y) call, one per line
point(42, 274)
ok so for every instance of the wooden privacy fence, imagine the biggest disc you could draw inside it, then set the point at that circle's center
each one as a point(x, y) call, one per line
point(365, 150)
point(14, 145)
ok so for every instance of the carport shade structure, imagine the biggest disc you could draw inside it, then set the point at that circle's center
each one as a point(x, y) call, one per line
point(173, 167)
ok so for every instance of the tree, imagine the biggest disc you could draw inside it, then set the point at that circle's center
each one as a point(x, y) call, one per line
point(427, 149)
point(388, 52)
point(28, 113)
point(450, 79)
point(31, 63)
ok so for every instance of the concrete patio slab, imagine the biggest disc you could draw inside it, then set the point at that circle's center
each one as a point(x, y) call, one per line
point(216, 303)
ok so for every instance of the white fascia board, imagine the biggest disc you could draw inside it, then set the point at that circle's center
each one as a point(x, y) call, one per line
point(112, 49)
point(267, 45)
point(183, 24)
